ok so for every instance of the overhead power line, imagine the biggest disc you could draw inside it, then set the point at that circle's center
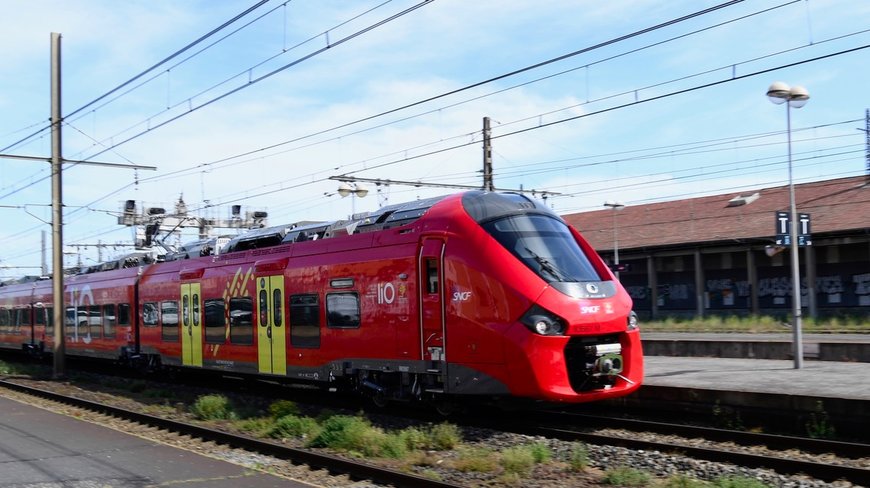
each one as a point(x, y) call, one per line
point(254, 81)
point(146, 71)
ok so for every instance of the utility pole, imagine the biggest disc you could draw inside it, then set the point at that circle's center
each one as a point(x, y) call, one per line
point(57, 215)
point(57, 161)
point(487, 156)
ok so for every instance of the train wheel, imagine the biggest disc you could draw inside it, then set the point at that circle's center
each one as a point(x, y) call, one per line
point(445, 408)
point(380, 400)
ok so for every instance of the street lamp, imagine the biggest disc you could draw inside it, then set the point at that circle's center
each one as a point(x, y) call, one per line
point(616, 206)
point(797, 97)
point(354, 190)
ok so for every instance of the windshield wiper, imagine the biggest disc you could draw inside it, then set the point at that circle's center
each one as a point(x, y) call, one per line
point(547, 266)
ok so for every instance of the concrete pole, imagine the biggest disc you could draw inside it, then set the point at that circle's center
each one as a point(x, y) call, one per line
point(57, 214)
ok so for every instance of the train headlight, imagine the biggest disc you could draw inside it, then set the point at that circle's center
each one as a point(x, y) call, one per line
point(541, 321)
point(633, 323)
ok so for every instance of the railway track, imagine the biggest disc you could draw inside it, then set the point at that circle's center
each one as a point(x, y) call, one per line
point(564, 426)
point(702, 443)
point(356, 470)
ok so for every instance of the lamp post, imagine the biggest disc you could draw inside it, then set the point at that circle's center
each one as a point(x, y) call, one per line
point(616, 206)
point(354, 190)
point(796, 96)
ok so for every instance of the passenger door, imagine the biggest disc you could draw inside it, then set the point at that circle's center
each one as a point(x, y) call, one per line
point(271, 335)
point(191, 325)
point(432, 333)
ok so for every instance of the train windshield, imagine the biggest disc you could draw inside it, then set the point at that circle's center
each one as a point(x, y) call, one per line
point(545, 245)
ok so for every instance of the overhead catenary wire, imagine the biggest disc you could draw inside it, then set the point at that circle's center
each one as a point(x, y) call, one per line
point(112, 146)
point(252, 82)
point(521, 70)
point(148, 70)
point(227, 161)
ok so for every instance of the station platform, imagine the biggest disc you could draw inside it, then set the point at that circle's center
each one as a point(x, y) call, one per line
point(821, 379)
point(820, 347)
point(754, 390)
point(43, 449)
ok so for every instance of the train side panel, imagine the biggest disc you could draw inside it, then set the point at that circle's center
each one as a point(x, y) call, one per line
point(99, 314)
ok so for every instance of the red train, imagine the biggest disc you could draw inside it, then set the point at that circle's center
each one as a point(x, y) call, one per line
point(477, 294)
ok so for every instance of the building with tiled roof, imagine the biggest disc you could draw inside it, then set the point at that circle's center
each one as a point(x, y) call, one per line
point(714, 254)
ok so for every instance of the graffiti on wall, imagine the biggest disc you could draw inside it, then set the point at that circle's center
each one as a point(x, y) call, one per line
point(833, 290)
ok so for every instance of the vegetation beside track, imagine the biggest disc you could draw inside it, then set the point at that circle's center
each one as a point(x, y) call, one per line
point(431, 450)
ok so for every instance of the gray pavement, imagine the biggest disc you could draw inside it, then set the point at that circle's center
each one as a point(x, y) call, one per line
point(42, 449)
point(816, 378)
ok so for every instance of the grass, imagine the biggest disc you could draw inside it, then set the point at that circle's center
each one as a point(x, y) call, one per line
point(22, 369)
point(476, 459)
point(213, 407)
point(757, 324)
point(625, 476)
point(579, 459)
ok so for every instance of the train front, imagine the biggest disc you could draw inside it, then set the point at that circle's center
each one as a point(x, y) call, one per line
point(569, 333)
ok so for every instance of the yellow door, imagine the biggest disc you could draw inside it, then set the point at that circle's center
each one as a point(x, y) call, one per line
point(271, 336)
point(191, 325)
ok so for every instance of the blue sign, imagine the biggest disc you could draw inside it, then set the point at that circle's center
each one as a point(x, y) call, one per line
point(783, 229)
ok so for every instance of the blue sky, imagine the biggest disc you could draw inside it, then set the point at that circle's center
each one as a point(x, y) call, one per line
point(673, 113)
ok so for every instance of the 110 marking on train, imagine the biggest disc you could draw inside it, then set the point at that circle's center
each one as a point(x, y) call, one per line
point(386, 293)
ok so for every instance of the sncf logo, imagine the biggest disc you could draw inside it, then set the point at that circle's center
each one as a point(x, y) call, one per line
point(461, 296)
point(585, 309)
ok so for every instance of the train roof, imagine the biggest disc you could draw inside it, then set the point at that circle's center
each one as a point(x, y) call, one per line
point(382, 218)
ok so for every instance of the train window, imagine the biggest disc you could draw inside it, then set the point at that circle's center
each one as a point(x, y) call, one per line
point(169, 312)
point(49, 321)
point(264, 309)
point(544, 244)
point(22, 318)
point(342, 310)
point(276, 303)
point(432, 275)
point(123, 314)
point(185, 311)
point(39, 316)
point(215, 321)
point(196, 309)
point(4, 318)
point(304, 321)
point(150, 314)
point(94, 320)
point(110, 320)
point(242, 320)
